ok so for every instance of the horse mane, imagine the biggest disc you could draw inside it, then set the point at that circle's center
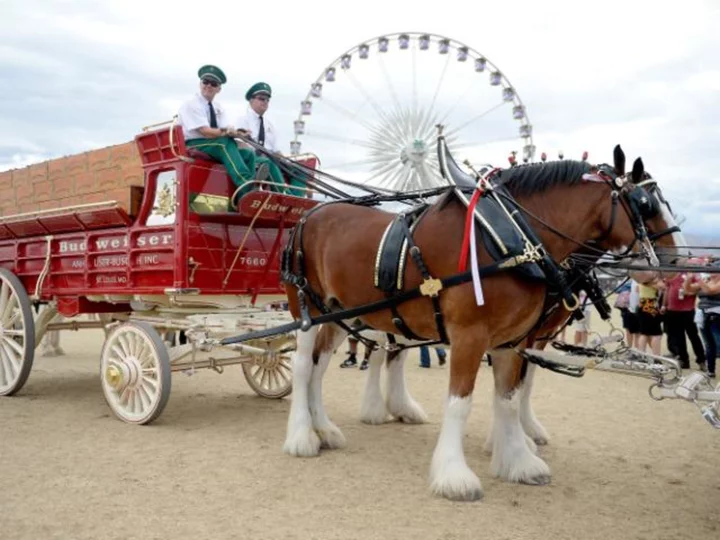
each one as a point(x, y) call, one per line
point(526, 180)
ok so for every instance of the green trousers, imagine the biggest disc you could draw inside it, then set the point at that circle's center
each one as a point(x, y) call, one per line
point(239, 162)
point(295, 180)
point(275, 174)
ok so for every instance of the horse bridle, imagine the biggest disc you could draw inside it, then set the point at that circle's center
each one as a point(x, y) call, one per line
point(639, 205)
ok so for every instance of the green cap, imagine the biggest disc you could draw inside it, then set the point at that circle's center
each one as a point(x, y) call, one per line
point(212, 72)
point(258, 88)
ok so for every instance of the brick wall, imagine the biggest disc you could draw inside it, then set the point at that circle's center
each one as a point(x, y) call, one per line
point(98, 175)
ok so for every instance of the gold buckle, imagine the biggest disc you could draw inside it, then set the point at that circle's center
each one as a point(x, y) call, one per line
point(431, 287)
point(574, 306)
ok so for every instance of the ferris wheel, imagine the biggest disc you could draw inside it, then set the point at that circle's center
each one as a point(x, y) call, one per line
point(372, 114)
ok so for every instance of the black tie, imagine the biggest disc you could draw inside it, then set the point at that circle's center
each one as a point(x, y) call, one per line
point(261, 132)
point(213, 118)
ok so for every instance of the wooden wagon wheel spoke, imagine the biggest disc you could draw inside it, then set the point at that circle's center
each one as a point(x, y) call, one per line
point(14, 345)
point(135, 373)
point(269, 377)
point(17, 330)
point(14, 319)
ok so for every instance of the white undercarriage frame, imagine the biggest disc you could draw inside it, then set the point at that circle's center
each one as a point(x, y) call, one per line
point(670, 382)
point(133, 364)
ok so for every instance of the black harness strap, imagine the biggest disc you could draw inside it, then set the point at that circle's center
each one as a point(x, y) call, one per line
point(416, 255)
point(380, 305)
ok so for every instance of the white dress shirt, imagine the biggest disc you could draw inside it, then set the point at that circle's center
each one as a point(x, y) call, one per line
point(195, 113)
point(251, 123)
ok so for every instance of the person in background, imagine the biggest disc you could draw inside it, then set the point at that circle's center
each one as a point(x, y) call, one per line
point(351, 360)
point(680, 320)
point(707, 288)
point(425, 356)
point(649, 316)
point(582, 326)
point(629, 317)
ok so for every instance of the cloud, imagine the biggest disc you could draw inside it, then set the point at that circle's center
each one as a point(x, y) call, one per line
point(78, 74)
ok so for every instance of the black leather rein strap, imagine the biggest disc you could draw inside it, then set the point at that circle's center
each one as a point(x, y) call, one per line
point(387, 303)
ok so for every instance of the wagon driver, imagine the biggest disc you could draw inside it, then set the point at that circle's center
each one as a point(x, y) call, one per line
point(206, 127)
point(263, 132)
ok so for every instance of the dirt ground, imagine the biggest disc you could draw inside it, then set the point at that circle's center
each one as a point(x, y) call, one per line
point(624, 466)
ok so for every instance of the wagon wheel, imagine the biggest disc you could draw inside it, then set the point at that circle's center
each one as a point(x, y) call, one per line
point(17, 334)
point(270, 375)
point(135, 373)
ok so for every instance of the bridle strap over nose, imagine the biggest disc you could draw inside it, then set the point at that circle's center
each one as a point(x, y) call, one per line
point(660, 234)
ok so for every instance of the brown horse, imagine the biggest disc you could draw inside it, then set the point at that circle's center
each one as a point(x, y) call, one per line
point(339, 243)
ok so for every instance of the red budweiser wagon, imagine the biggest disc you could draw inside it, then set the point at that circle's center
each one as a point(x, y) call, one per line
point(158, 250)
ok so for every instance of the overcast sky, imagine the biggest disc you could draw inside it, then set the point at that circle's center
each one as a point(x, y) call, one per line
point(78, 74)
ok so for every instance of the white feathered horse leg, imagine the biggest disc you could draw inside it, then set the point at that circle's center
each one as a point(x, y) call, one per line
point(513, 458)
point(533, 428)
point(373, 410)
point(400, 403)
point(329, 339)
point(301, 439)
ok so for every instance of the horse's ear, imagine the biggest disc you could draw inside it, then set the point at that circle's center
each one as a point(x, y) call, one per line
point(619, 160)
point(638, 171)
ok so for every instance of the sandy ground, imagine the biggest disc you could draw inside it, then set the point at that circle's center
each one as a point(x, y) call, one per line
point(624, 467)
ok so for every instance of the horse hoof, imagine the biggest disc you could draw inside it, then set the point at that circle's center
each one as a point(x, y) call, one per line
point(412, 419)
point(331, 438)
point(302, 443)
point(457, 484)
point(375, 414)
point(541, 441)
point(540, 480)
point(409, 413)
point(470, 494)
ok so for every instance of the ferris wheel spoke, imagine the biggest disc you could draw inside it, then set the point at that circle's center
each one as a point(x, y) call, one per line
point(393, 179)
point(427, 128)
point(411, 179)
point(475, 144)
point(344, 140)
point(391, 138)
point(414, 80)
point(351, 164)
point(439, 85)
point(383, 170)
point(457, 101)
point(476, 118)
point(390, 84)
point(428, 176)
point(375, 105)
point(404, 176)
point(348, 114)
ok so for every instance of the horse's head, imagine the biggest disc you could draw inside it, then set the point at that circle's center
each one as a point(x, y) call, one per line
point(648, 223)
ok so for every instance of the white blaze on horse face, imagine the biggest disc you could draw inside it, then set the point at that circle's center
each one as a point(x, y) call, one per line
point(678, 237)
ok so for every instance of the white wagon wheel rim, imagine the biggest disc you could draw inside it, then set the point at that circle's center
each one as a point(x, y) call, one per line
point(382, 131)
point(270, 376)
point(135, 373)
point(17, 334)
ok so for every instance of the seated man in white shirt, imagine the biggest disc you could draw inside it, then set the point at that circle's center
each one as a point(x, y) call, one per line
point(206, 127)
point(263, 132)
